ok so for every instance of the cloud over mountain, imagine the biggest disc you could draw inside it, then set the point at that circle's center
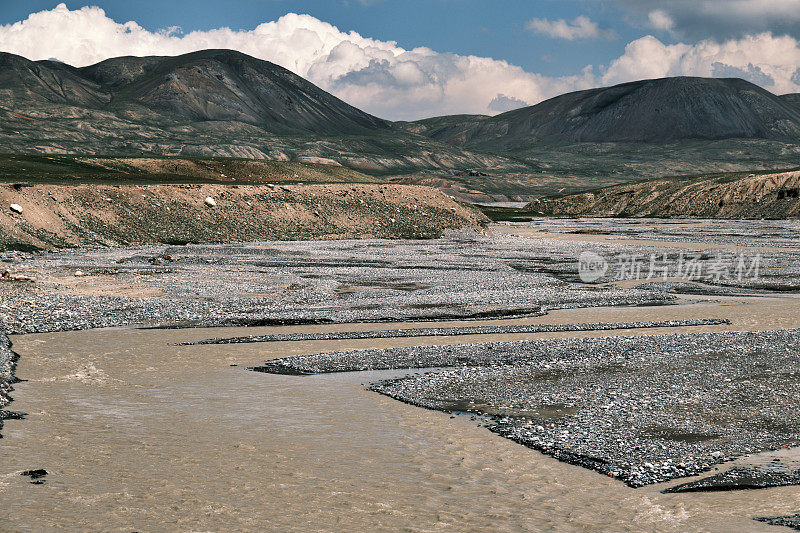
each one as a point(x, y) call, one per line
point(764, 59)
point(387, 80)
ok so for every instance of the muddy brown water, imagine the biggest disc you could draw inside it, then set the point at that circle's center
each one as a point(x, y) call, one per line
point(139, 434)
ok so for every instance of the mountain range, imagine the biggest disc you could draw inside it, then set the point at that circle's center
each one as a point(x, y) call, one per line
point(225, 103)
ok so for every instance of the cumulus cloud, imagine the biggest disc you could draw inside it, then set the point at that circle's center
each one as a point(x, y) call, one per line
point(581, 27)
point(720, 19)
point(765, 59)
point(388, 80)
point(751, 73)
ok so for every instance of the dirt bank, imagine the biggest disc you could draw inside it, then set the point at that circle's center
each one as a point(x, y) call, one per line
point(51, 215)
point(772, 196)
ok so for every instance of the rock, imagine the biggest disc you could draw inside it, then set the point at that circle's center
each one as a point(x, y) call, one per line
point(16, 208)
point(79, 273)
point(17, 277)
point(35, 475)
point(210, 202)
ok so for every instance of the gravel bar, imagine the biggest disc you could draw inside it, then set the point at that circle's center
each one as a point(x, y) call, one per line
point(8, 362)
point(640, 409)
point(643, 409)
point(455, 331)
point(792, 521)
point(740, 478)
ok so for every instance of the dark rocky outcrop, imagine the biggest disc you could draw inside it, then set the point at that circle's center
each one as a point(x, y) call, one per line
point(791, 521)
point(740, 478)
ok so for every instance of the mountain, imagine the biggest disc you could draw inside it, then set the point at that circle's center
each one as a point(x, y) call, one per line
point(210, 103)
point(649, 111)
point(792, 99)
point(211, 85)
point(26, 85)
point(222, 103)
point(218, 85)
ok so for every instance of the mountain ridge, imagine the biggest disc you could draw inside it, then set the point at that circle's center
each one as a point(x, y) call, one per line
point(222, 103)
point(652, 111)
point(209, 85)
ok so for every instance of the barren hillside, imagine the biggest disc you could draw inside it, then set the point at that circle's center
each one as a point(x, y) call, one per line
point(721, 196)
point(50, 215)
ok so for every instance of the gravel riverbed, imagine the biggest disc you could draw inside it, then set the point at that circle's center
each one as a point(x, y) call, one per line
point(643, 409)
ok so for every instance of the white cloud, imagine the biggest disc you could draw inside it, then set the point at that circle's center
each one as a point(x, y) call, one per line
point(388, 80)
point(765, 59)
point(582, 27)
point(503, 103)
point(660, 20)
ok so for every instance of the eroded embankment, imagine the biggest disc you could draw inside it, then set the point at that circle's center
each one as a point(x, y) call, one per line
point(50, 215)
point(8, 362)
point(773, 196)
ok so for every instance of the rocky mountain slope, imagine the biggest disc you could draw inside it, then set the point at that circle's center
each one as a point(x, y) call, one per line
point(649, 111)
point(718, 196)
point(211, 85)
point(214, 103)
point(222, 85)
point(792, 99)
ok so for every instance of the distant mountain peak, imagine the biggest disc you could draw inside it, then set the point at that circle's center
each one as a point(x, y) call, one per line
point(209, 85)
point(654, 111)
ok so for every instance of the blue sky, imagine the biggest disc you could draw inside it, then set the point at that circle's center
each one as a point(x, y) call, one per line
point(478, 27)
point(480, 56)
